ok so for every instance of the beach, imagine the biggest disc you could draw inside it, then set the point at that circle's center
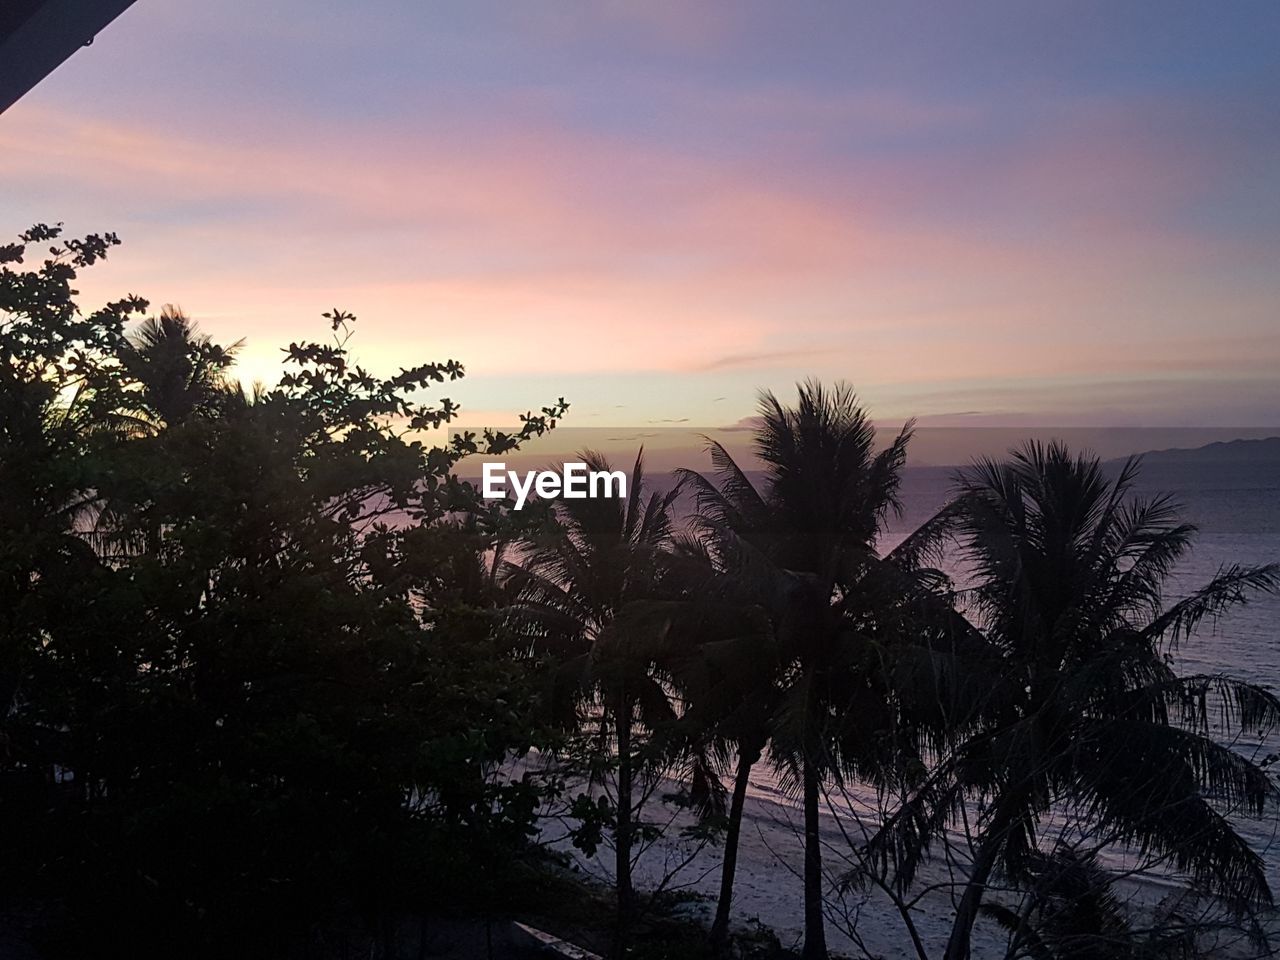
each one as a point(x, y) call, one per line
point(768, 888)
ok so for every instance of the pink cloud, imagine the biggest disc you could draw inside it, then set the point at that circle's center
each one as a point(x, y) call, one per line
point(536, 248)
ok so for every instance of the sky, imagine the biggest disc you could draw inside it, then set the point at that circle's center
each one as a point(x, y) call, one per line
point(988, 213)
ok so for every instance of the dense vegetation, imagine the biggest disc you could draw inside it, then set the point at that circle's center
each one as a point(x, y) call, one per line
point(266, 663)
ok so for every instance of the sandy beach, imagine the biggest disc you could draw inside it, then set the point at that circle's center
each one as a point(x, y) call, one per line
point(768, 888)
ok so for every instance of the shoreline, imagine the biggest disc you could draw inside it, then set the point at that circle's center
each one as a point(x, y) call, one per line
point(768, 889)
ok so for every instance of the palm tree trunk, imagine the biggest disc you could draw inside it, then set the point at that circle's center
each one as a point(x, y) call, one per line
point(622, 834)
point(958, 944)
point(815, 935)
point(720, 928)
point(622, 828)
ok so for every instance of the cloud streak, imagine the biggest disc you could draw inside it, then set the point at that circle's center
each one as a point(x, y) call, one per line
point(709, 226)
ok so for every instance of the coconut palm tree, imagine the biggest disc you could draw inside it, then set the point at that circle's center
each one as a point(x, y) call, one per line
point(736, 635)
point(1072, 911)
point(1071, 570)
point(725, 661)
point(570, 591)
point(181, 370)
point(803, 548)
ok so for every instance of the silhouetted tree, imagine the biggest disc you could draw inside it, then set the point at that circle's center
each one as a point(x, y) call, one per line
point(1071, 571)
point(1072, 912)
point(179, 369)
point(573, 583)
point(251, 677)
point(804, 548)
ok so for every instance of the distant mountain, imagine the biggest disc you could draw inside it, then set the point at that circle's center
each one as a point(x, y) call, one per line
point(1232, 451)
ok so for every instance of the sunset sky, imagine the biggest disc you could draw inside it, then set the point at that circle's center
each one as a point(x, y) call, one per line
point(995, 213)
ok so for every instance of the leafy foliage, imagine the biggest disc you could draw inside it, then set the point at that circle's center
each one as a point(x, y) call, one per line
point(251, 674)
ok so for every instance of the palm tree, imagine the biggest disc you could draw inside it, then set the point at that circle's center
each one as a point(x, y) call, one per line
point(727, 665)
point(804, 547)
point(572, 586)
point(1070, 574)
point(1072, 911)
point(180, 369)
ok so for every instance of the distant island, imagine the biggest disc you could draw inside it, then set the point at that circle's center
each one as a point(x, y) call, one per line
point(1232, 451)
